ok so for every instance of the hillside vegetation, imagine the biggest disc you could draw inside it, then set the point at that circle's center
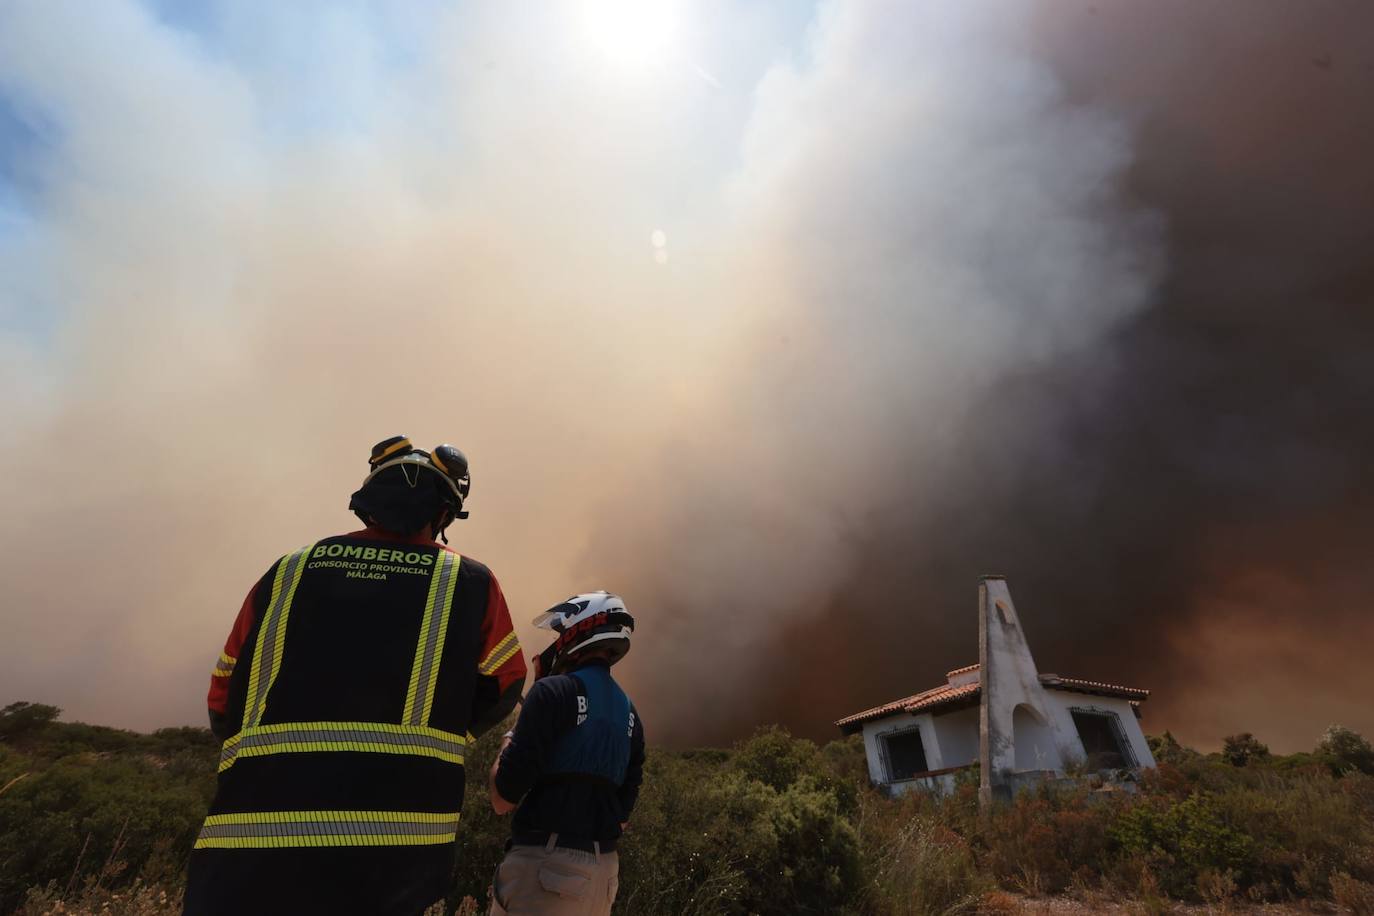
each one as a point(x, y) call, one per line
point(100, 820)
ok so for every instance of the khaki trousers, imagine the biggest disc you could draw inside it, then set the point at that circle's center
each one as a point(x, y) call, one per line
point(551, 881)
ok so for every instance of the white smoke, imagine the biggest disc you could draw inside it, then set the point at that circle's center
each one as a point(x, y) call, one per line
point(264, 244)
point(918, 214)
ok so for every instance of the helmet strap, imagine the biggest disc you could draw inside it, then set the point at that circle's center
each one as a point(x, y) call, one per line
point(441, 525)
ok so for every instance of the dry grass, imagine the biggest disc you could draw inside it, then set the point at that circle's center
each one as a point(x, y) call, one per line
point(1352, 895)
point(136, 899)
point(1003, 903)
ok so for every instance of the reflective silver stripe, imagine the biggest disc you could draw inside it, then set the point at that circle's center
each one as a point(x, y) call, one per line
point(266, 829)
point(499, 654)
point(502, 653)
point(420, 697)
point(267, 652)
point(358, 737)
point(329, 828)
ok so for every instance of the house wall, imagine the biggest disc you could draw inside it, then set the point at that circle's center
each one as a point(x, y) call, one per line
point(1037, 744)
point(957, 733)
point(874, 731)
point(1062, 702)
point(951, 740)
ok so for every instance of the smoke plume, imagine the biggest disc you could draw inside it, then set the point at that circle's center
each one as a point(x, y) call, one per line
point(785, 336)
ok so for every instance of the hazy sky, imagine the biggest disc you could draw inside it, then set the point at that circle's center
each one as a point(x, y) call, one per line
point(785, 322)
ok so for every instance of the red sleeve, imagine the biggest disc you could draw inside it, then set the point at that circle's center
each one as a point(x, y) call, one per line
point(500, 656)
point(219, 678)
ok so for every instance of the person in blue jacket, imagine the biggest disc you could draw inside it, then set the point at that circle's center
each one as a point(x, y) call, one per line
point(571, 767)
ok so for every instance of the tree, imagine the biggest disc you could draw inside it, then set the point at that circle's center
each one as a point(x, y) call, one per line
point(1240, 750)
point(1166, 749)
point(22, 717)
point(1348, 749)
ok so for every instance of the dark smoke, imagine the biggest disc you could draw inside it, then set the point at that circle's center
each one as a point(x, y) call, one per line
point(1183, 504)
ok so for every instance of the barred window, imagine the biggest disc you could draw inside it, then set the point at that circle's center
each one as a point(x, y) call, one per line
point(906, 755)
point(1103, 741)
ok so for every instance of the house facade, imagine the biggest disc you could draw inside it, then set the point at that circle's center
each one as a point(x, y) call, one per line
point(1019, 725)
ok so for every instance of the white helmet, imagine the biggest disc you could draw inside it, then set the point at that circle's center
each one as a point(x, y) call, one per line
point(593, 618)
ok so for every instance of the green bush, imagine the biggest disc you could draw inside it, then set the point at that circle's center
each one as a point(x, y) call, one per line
point(1181, 840)
point(758, 831)
point(1166, 749)
point(91, 816)
point(1043, 841)
point(1347, 750)
point(1241, 750)
point(77, 813)
point(21, 718)
point(913, 864)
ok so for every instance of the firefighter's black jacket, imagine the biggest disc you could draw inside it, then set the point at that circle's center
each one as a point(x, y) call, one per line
point(358, 671)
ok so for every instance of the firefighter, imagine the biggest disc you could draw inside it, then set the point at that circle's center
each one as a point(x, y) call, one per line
point(358, 671)
point(570, 768)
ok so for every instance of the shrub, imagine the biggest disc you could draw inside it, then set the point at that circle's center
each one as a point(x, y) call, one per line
point(1240, 750)
point(97, 819)
point(712, 839)
point(21, 718)
point(69, 818)
point(683, 854)
point(1042, 841)
point(778, 760)
point(1347, 749)
point(913, 864)
point(1302, 828)
point(1166, 749)
point(1353, 895)
point(1179, 840)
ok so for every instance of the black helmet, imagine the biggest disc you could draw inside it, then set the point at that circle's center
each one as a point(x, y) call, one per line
point(407, 487)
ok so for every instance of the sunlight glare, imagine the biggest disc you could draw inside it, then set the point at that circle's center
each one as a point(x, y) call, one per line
point(630, 32)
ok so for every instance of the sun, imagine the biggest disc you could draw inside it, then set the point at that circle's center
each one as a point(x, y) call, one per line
point(630, 32)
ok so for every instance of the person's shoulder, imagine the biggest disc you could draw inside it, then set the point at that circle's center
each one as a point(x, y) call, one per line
point(474, 572)
point(473, 565)
point(300, 550)
point(552, 688)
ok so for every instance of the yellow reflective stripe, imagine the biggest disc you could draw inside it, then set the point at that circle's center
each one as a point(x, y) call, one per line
point(430, 648)
point(225, 666)
point(390, 728)
point(293, 817)
point(348, 737)
point(272, 630)
point(393, 449)
point(326, 828)
point(356, 839)
point(500, 654)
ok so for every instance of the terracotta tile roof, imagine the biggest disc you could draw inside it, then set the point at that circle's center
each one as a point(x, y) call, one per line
point(920, 702)
point(1079, 685)
point(946, 695)
point(964, 670)
point(943, 697)
point(887, 709)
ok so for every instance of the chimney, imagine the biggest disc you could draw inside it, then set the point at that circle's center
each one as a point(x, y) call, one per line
point(1008, 678)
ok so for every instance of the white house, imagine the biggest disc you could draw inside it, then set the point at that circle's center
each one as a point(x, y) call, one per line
point(1021, 726)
